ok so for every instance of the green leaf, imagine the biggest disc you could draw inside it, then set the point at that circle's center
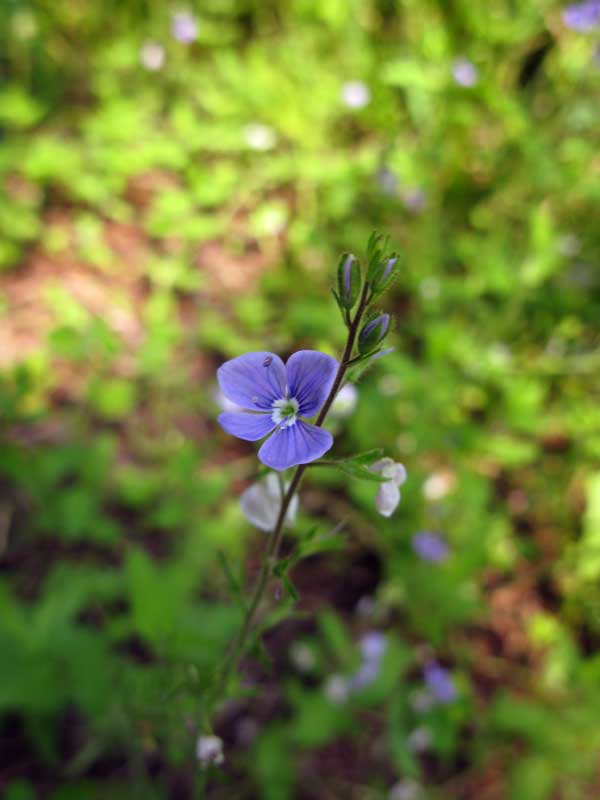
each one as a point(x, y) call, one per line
point(232, 581)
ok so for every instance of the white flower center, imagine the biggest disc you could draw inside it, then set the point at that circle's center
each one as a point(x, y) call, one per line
point(285, 411)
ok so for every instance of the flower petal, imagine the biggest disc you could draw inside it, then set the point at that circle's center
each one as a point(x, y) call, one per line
point(250, 427)
point(387, 498)
point(254, 380)
point(300, 443)
point(260, 504)
point(310, 375)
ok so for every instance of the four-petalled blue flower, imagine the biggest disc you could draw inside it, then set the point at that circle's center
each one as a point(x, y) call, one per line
point(276, 397)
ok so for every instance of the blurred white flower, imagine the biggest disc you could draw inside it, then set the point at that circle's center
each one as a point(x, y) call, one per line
point(355, 94)
point(438, 485)
point(152, 56)
point(345, 401)
point(405, 790)
point(302, 657)
point(419, 740)
point(260, 504)
point(336, 689)
point(365, 607)
point(388, 496)
point(421, 701)
point(259, 137)
point(209, 750)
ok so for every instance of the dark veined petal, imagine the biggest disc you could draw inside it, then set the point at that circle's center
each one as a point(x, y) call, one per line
point(310, 375)
point(254, 380)
point(297, 444)
point(250, 427)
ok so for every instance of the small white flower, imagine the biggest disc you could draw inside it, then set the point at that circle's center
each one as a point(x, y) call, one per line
point(419, 740)
point(152, 56)
point(422, 701)
point(209, 750)
point(260, 504)
point(405, 790)
point(438, 485)
point(366, 607)
point(388, 495)
point(355, 94)
point(302, 657)
point(259, 137)
point(336, 689)
point(345, 401)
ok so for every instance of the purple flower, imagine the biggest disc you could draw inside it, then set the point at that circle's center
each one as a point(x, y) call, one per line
point(430, 547)
point(184, 27)
point(464, 73)
point(387, 181)
point(582, 17)
point(373, 646)
point(276, 396)
point(439, 682)
point(414, 200)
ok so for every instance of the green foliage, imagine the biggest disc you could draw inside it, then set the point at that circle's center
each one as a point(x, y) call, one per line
point(156, 222)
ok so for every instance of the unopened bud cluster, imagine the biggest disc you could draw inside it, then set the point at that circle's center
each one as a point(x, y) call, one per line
point(355, 285)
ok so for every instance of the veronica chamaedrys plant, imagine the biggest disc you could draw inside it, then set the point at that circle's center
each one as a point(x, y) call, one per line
point(286, 404)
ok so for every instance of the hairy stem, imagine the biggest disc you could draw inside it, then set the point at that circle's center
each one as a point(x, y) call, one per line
point(269, 563)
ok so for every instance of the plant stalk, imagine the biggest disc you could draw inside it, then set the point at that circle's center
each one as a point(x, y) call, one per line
point(271, 555)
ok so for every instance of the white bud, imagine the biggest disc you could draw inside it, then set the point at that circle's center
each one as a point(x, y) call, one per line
point(209, 750)
point(260, 504)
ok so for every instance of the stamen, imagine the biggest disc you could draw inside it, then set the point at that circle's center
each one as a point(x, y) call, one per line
point(285, 411)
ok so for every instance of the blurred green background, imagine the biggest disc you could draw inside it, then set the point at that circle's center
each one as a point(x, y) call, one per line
point(176, 185)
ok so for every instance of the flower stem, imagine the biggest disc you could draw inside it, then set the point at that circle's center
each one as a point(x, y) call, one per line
point(269, 563)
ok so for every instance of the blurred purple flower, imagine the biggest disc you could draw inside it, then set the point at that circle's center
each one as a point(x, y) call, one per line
point(582, 17)
point(464, 72)
point(430, 547)
point(184, 27)
point(387, 182)
point(439, 682)
point(373, 646)
point(414, 200)
point(274, 397)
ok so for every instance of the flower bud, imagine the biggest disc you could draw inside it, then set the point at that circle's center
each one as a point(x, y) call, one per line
point(349, 280)
point(382, 273)
point(373, 333)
